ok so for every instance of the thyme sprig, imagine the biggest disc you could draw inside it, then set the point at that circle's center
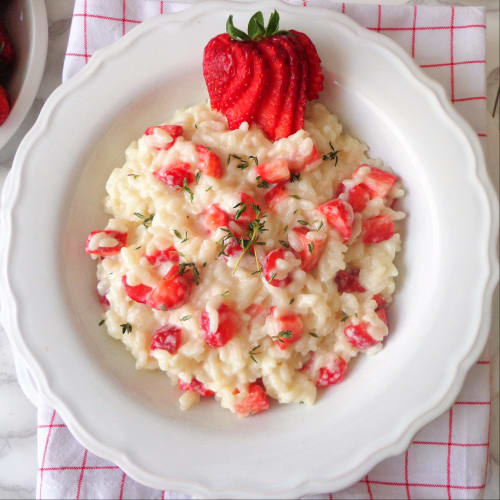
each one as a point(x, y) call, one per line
point(126, 328)
point(186, 189)
point(243, 163)
point(184, 267)
point(253, 352)
point(146, 221)
point(255, 230)
point(331, 155)
point(284, 334)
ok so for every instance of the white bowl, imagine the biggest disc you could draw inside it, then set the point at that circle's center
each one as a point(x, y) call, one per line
point(26, 22)
point(439, 320)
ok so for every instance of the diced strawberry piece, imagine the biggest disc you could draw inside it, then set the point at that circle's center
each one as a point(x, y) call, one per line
point(285, 123)
point(378, 181)
point(358, 335)
point(289, 327)
point(244, 106)
point(311, 249)
point(232, 248)
point(348, 282)
point(313, 160)
point(172, 291)
point(227, 328)
point(378, 229)
point(315, 75)
point(167, 338)
point(340, 189)
point(169, 254)
point(255, 402)
point(382, 314)
point(270, 268)
point(332, 374)
point(138, 293)
point(273, 171)
point(214, 217)
point(219, 68)
point(249, 214)
point(209, 162)
point(275, 196)
point(173, 130)
point(174, 175)
point(254, 310)
point(359, 196)
point(96, 238)
point(379, 300)
point(103, 300)
point(236, 86)
point(340, 216)
point(269, 108)
point(196, 386)
point(300, 107)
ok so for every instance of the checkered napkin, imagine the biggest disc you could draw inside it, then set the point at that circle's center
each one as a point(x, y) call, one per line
point(448, 458)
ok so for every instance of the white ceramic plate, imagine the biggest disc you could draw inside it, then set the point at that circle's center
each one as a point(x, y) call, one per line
point(26, 22)
point(439, 320)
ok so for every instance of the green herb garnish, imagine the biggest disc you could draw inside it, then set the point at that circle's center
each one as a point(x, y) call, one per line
point(126, 328)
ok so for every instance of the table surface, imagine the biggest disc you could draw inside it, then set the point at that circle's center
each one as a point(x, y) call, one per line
point(18, 462)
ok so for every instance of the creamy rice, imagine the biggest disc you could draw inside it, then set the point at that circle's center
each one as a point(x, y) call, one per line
point(288, 374)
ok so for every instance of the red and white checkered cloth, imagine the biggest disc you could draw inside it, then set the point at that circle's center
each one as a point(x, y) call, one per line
point(448, 458)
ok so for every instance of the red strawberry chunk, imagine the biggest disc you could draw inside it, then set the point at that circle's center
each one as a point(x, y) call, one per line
point(138, 293)
point(243, 108)
point(348, 282)
point(285, 124)
point(379, 300)
point(174, 175)
point(169, 254)
point(219, 68)
point(359, 196)
point(315, 75)
point(300, 108)
point(311, 249)
point(340, 216)
point(273, 171)
point(103, 300)
point(382, 314)
point(196, 386)
point(289, 328)
point(358, 335)
point(214, 217)
point(4, 105)
point(167, 338)
point(209, 162)
point(227, 328)
point(378, 229)
point(270, 268)
point(232, 248)
point(95, 238)
point(378, 181)
point(313, 160)
point(332, 374)
point(254, 310)
point(173, 130)
point(249, 214)
point(255, 402)
point(269, 108)
point(172, 291)
point(275, 196)
point(340, 189)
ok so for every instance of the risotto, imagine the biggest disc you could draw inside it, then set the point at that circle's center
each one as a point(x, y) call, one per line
point(247, 269)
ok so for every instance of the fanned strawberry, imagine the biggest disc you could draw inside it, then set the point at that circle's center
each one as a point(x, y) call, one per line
point(315, 75)
point(300, 106)
point(270, 106)
point(285, 125)
point(241, 78)
point(244, 107)
point(218, 67)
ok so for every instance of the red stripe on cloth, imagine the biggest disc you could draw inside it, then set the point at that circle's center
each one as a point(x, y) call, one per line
point(448, 459)
point(124, 9)
point(85, 45)
point(343, 7)
point(76, 55)
point(483, 362)
point(452, 69)
point(413, 31)
point(163, 495)
point(406, 476)
point(454, 63)
point(122, 485)
point(94, 467)
point(483, 403)
point(84, 461)
point(55, 425)
point(420, 28)
point(330, 496)
point(465, 99)
point(367, 481)
point(161, 7)
point(45, 451)
point(379, 18)
point(108, 18)
point(426, 485)
point(444, 443)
